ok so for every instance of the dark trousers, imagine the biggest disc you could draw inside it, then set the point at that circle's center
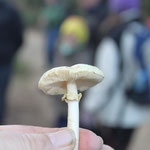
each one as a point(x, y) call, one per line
point(52, 37)
point(5, 72)
point(117, 138)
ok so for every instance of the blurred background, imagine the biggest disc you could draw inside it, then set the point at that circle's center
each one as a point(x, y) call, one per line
point(114, 35)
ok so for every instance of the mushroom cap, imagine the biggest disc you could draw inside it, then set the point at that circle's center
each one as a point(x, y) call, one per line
point(54, 81)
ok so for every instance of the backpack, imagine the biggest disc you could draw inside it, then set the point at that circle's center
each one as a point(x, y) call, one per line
point(139, 90)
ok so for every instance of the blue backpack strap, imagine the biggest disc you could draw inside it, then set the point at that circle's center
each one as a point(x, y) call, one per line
point(140, 40)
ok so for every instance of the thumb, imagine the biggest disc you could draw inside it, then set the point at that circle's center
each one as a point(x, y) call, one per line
point(61, 140)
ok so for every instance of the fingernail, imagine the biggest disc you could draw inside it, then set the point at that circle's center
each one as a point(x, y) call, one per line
point(100, 141)
point(62, 138)
point(106, 147)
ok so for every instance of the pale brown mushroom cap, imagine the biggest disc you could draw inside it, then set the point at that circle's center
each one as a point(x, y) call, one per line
point(54, 81)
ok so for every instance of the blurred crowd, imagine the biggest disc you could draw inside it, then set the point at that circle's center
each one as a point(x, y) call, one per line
point(113, 35)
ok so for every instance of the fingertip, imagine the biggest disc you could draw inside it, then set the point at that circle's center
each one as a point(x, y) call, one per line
point(89, 140)
point(62, 138)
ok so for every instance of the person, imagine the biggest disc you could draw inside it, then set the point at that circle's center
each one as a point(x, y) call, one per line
point(116, 114)
point(71, 49)
point(51, 18)
point(94, 12)
point(11, 37)
point(38, 138)
point(73, 39)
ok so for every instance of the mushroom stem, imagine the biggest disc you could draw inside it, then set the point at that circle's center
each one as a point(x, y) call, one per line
point(73, 109)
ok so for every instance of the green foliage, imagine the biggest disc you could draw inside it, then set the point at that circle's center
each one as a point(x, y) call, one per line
point(30, 10)
point(30, 17)
point(21, 68)
point(34, 3)
point(146, 8)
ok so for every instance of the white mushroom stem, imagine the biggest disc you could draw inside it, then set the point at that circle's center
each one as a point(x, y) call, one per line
point(73, 110)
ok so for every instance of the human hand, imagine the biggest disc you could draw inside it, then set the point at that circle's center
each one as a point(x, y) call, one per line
point(38, 138)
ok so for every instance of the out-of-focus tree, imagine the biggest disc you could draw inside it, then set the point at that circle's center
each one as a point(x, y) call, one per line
point(146, 8)
point(30, 10)
point(34, 3)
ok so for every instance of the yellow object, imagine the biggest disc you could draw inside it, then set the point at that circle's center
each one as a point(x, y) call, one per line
point(76, 26)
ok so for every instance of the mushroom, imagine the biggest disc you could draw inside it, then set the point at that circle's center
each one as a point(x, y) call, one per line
point(68, 80)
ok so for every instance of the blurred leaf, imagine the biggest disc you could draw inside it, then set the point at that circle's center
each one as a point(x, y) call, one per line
point(21, 68)
point(146, 8)
point(29, 10)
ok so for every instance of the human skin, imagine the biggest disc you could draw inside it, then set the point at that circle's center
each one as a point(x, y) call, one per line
point(18, 137)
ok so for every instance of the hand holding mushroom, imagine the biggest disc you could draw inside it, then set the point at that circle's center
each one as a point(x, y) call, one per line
point(67, 81)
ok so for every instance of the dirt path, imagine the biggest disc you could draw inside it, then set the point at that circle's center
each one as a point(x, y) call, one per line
point(26, 104)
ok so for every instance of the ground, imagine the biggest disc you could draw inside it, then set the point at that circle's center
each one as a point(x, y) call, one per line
point(27, 105)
